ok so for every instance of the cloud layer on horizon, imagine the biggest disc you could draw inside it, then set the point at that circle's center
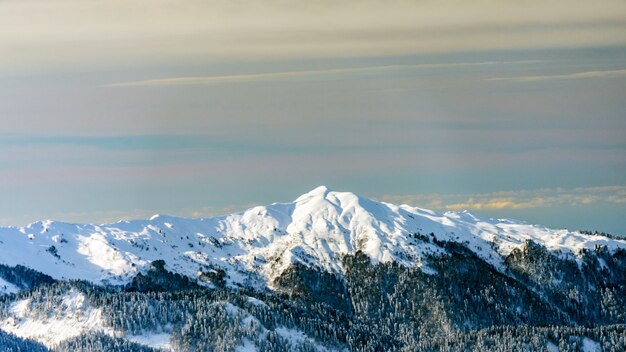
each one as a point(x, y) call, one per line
point(521, 199)
point(481, 202)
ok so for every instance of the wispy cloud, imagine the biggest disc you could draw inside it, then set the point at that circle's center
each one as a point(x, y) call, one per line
point(265, 76)
point(78, 32)
point(523, 199)
point(570, 76)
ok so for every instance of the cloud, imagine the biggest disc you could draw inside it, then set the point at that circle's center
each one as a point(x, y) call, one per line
point(70, 32)
point(523, 199)
point(577, 75)
point(199, 80)
point(496, 204)
point(112, 216)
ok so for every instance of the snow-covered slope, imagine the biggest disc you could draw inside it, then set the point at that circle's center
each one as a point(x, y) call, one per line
point(257, 245)
point(69, 319)
point(7, 287)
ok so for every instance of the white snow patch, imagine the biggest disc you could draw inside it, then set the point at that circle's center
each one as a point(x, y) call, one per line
point(247, 346)
point(231, 309)
point(297, 337)
point(7, 287)
point(256, 302)
point(590, 345)
point(551, 347)
point(72, 318)
point(250, 320)
point(154, 340)
point(100, 252)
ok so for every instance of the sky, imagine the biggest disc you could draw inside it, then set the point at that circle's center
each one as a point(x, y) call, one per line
point(123, 109)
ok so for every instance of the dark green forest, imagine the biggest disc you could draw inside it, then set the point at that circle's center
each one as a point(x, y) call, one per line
point(540, 302)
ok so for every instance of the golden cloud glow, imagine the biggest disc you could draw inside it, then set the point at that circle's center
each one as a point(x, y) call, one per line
point(524, 199)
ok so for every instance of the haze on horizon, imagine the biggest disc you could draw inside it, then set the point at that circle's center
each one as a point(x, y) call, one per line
point(124, 109)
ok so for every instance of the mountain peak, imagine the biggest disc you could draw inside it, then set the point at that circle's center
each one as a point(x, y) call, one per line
point(320, 191)
point(325, 195)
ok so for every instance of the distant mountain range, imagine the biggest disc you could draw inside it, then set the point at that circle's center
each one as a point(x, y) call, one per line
point(329, 271)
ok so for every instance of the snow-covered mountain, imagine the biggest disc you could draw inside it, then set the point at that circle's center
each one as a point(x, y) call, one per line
point(256, 246)
point(311, 281)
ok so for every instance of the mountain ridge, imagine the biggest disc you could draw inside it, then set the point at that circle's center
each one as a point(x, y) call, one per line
point(255, 246)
